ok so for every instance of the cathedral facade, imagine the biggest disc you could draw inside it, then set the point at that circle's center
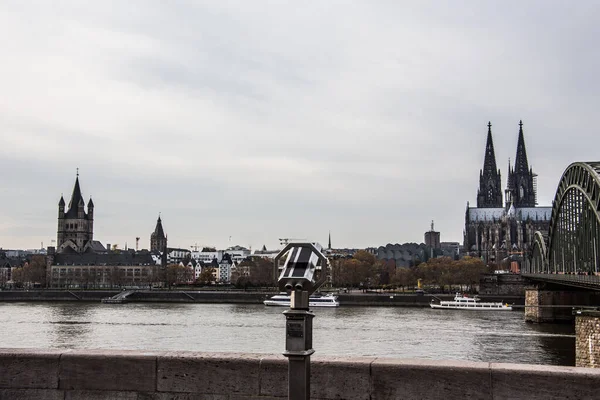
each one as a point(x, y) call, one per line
point(75, 225)
point(497, 230)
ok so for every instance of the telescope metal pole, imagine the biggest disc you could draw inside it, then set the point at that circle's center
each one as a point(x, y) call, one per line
point(298, 345)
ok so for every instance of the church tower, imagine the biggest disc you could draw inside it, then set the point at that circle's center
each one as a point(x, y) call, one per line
point(158, 240)
point(75, 226)
point(520, 189)
point(489, 194)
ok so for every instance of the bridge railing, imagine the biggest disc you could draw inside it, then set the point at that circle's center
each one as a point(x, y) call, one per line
point(578, 280)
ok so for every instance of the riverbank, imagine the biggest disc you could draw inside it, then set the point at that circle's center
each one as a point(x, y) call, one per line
point(233, 297)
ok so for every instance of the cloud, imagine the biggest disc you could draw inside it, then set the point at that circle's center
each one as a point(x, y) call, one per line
point(259, 120)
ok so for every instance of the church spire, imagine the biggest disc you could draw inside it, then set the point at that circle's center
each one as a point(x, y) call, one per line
point(521, 180)
point(329, 243)
point(158, 239)
point(489, 162)
point(521, 164)
point(489, 194)
point(158, 231)
point(76, 195)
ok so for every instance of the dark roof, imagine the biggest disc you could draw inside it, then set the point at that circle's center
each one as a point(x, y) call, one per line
point(158, 231)
point(7, 262)
point(98, 247)
point(112, 258)
point(76, 200)
point(170, 249)
point(62, 201)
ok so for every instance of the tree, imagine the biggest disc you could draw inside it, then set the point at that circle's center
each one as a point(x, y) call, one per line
point(35, 270)
point(206, 276)
point(261, 272)
point(17, 276)
point(404, 277)
point(444, 271)
point(4, 272)
point(31, 273)
point(359, 270)
point(178, 274)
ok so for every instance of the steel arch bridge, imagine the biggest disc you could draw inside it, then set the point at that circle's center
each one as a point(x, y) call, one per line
point(570, 254)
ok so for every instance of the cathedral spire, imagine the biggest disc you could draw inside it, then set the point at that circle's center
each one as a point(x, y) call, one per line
point(521, 164)
point(521, 180)
point(329, 243)
point(489, 162)
point(489, 194)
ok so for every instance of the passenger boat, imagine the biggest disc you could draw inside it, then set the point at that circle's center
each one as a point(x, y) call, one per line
point(283, 299)
point(462, 302)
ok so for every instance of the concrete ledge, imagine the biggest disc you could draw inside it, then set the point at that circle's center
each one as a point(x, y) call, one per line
point(340, 377)
point(107, 370)
point(543, 382)
point(209, 373)
point(430, 379)
point(127, 375)
point(29, 368)
point(31, 394)
point(274, 376)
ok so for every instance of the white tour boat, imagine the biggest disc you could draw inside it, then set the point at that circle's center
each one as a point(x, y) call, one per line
point(283, 299)
point(462, 302)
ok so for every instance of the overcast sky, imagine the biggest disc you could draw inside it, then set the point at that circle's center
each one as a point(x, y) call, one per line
point(247, 121)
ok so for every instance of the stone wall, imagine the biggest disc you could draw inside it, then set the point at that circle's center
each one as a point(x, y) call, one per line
point(587, 339)
point(502, 285)
point(128, 375)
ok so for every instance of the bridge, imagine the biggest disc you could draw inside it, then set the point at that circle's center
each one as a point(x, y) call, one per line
point(564, 269)
point(568, 255)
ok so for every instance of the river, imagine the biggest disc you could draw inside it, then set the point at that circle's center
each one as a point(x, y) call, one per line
point(348, 331)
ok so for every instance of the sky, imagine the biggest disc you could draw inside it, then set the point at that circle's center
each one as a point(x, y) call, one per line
point(242, 122)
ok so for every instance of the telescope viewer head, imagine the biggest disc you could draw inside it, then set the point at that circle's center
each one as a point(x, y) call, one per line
point(300, 267)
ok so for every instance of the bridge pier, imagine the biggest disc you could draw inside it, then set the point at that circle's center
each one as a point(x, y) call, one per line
point(536, 305)
point(587, 339)
point(546, 303)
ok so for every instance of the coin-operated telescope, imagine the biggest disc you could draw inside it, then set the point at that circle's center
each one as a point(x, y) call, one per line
point(304, 271)
point(299, 273)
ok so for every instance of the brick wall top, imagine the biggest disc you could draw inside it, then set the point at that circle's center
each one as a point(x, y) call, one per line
point(104, 374)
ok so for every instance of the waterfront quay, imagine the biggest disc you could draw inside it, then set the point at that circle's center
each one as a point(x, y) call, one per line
point(356, 298)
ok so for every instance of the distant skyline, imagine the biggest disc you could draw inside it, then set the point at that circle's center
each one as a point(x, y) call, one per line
point(244, 122)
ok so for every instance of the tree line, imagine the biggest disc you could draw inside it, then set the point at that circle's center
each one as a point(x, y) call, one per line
point(363, 270)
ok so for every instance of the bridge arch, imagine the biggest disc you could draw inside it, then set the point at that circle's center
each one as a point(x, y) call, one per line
point(574, 233)
point(539, 261)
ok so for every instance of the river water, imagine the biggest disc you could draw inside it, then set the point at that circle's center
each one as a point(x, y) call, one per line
point(348, 331)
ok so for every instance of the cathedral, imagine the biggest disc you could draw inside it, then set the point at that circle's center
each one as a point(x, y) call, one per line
point(75, 226)
point(497, 230)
